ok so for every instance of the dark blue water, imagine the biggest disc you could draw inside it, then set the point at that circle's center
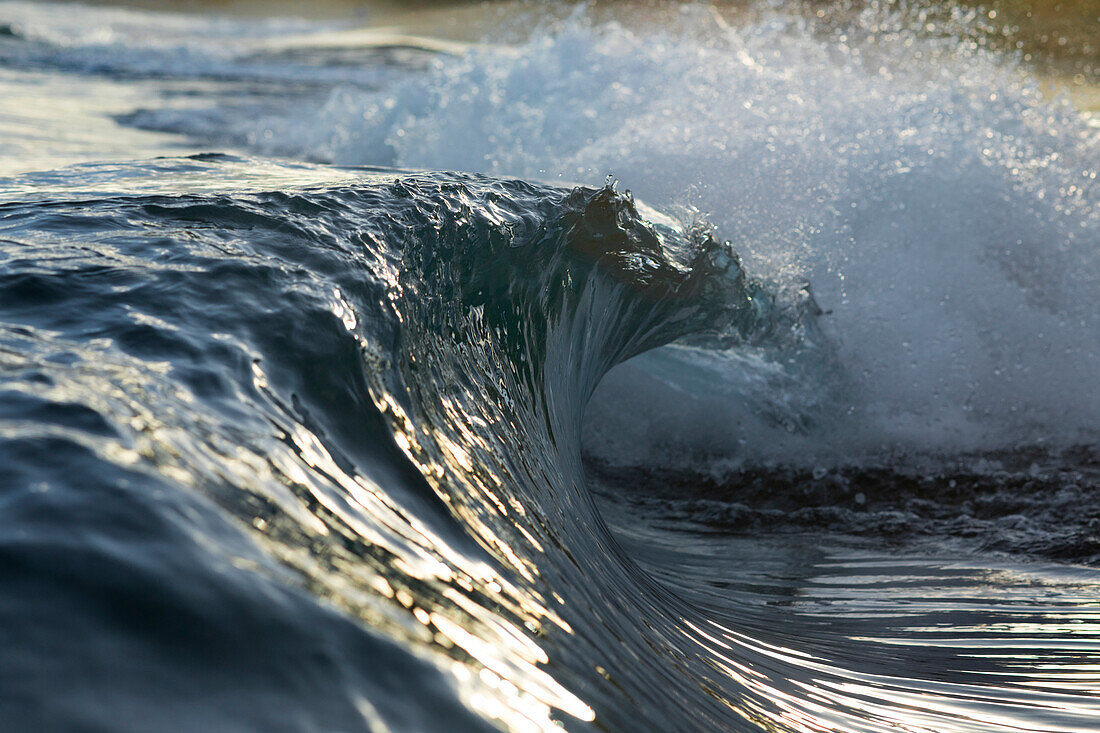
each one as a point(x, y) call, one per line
point(292, 439)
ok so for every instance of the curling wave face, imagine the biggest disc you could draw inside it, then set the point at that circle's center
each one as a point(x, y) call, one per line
point(234, 420)
point(380, 383)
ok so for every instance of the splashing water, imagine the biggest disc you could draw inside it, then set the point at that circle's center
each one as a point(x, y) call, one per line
point(946, 215)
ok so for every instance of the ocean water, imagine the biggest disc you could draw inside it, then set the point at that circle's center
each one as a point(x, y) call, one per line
point(610, 367)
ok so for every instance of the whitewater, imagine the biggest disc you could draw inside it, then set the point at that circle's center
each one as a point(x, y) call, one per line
point(680, 368)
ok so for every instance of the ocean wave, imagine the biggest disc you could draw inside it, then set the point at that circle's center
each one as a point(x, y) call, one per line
point(370, 393)
point(287, 445)
point(945, 214)
point(379, 384)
